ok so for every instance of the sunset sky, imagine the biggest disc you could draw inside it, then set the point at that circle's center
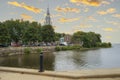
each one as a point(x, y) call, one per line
point(69, 16)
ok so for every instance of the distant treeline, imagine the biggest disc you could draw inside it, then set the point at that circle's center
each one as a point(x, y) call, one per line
point(89, 39)
point(27, 32)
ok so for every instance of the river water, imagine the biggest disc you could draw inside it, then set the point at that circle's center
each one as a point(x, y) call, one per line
point(68, 60)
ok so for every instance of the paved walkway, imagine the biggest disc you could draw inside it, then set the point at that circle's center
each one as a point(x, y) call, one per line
point(31, 74)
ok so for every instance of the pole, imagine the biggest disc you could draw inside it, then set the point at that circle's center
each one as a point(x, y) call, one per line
point(41, 63)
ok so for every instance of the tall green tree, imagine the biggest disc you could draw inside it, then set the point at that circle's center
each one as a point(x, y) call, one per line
point(32, 33)
point(58, 36)
point(4, 34)
point(78, 37)
point(15, 29)
point(48, 34)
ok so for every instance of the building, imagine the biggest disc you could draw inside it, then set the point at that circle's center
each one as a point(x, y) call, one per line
point(67, 38)
point(48, 18)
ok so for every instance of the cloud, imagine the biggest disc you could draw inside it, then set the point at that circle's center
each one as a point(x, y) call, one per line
point(108, 29)
point(82, 26)
point(113, 23)
point(108, 37)
point(87, 2)
point(26, 17)
point(63, 20)
point(75, 30)
point(92, 18)
point(116, 15)
point(111, 10)
point(13, 13)
point(86, 9)
point(105, 2)
point(27, 7)
point(102, 12)
point(67, 9)
point(108, 11)
point(56, 15)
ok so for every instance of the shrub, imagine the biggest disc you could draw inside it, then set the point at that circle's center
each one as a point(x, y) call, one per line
point(57, 48)
point(106, 44)
point(39, 50)
point(64, 48)
point(76, 47)
point(27, 50)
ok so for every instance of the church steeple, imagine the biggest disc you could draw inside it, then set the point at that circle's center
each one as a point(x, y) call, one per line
point(48, 13)
point(48, 19)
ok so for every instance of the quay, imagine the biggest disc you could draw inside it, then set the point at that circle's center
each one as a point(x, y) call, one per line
point(8, 73)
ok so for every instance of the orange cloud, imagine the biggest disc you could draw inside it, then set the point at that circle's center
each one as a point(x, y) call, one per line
point(108, 11)
point(105, 2)
point(67, 9)
point(111, 10)
point(116, 15)
point(92, 18)
point(83, 26)
point(63, 20)
point(108, 29)
point(26, 17)
point(87, 2)
point(27, 7)
point(102, 12)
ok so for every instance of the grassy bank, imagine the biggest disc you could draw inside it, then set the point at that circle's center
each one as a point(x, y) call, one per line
point(78, 47)
point(28, 50)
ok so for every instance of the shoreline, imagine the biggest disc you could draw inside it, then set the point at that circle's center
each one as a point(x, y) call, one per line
point(9, 51)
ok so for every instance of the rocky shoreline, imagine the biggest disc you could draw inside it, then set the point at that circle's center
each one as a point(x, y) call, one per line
point(8, 51)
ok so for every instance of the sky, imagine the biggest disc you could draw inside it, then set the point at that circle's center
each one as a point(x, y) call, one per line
point(69, 16)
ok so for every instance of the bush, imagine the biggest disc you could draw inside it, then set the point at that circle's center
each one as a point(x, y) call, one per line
point(63, 48)
point(76, 47)
point(39, 50)
point(27, 50)
point(106, 44)
point(57, 48)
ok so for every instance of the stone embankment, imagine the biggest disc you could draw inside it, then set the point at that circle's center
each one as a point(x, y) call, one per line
point(20, 50)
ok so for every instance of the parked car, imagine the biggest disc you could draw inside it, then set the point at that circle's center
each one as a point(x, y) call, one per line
point(64, 44)
point(3, 45)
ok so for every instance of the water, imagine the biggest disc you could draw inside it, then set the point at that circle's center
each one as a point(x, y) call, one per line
point(68, 60)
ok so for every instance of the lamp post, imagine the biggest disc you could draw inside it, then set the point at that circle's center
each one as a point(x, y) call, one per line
point(41, 63)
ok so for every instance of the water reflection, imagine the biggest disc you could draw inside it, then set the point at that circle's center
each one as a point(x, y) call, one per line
point(28, 61)
point(88, 59)
point(74, 60)
point(68, 60)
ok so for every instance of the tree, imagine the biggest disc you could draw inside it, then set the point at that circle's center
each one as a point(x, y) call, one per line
point(89, 39)
point(78, 37)
point(14, 29)
point(4, 34)
point(48, 34)
point(58, 36)
point(32, 33)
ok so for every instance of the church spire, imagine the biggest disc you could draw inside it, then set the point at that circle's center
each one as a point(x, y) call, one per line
point(48, 19)
point(48, 13)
